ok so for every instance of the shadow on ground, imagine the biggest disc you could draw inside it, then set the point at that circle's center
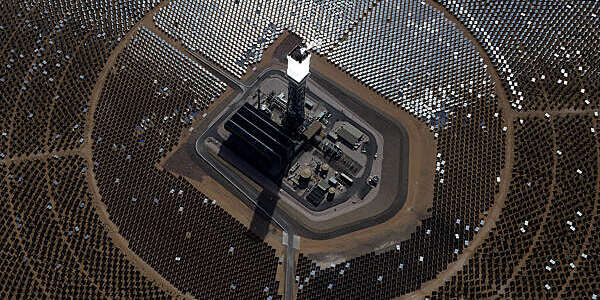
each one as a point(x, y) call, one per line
point(260, 219)
point(266, 201)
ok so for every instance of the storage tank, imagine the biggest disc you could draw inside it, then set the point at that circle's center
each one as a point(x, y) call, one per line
point(305, 175)
point(330, 193)
point(324, 169)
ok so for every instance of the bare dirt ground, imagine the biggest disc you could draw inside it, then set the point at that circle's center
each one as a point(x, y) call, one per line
point(351, 244)
point(343, 247)
point(422, 158)
point(179, 162)
point(399, 227)
point(86, 153)
point(229, 202)
point(494, 212)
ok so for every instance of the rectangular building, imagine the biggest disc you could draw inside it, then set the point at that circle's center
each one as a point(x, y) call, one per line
point(350, 135)
point(259, 140)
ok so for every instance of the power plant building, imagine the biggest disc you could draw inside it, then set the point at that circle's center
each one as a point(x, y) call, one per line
point(350, 135)
point(265, 144)
point(260, 140)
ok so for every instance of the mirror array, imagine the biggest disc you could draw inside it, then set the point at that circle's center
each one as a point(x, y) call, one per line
point(543, 244)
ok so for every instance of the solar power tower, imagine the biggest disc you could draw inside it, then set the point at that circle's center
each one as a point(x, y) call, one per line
point(297, 72)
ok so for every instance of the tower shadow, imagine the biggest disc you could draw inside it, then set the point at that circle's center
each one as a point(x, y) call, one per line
point(269, 146)
point(252, 166)
point(263, 213)
point(266, 203)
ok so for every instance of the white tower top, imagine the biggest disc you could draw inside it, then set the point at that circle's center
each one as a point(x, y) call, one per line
point(298, 63)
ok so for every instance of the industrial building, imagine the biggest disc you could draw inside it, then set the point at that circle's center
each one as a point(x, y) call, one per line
point(350, 135)
point(267, 145)
point(259, 140)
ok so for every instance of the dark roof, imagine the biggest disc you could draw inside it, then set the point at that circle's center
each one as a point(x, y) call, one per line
point(260, 132)
point(297, 54)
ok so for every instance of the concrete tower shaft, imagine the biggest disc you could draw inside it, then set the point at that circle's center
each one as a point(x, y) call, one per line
point(297, 72)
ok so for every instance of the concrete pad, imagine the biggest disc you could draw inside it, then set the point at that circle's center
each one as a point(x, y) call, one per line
point(284, 240)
